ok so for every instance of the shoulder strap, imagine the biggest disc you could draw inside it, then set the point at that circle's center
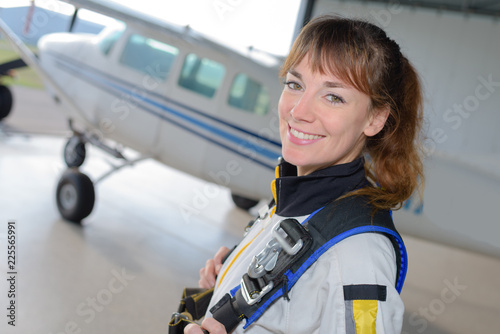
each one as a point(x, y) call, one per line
point(353, 215)
point(325, 227)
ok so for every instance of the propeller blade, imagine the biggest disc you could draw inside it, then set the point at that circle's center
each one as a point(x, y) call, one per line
point(73, 20)
point(29, 17)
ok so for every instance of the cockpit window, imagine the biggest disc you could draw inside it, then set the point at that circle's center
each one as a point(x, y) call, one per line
point(149, 56)
point(201, 75)
point(110, 37)
point(249, 95)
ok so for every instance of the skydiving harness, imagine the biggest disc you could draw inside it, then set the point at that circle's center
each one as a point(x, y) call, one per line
point(292, 250)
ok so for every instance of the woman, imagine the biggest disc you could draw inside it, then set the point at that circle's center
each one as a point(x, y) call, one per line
point(350, 115)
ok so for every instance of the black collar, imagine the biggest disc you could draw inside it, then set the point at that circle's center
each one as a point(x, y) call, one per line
point(301, 195)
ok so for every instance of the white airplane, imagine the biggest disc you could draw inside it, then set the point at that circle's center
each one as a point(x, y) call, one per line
point(167, 92)
point(209, 110)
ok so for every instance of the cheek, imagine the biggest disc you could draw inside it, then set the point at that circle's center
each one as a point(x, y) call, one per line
point(283, 113)
point(282, 106)
point(342, 131)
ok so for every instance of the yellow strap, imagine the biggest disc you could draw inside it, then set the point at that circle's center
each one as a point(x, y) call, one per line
point(365, 315)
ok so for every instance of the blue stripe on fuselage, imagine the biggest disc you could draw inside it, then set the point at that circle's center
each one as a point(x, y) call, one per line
point(114, 85)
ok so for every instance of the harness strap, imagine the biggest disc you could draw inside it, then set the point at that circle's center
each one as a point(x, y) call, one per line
point(325, 227)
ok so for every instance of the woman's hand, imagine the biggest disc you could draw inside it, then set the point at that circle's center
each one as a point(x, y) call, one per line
point(210, 325)
point(209, 273)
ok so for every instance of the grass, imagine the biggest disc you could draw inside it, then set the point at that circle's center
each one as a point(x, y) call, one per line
point(24, 76)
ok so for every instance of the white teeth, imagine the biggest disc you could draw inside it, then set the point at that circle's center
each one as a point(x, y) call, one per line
point(302, 135)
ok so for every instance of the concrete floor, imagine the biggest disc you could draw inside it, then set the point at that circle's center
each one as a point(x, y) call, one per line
point(124, 269)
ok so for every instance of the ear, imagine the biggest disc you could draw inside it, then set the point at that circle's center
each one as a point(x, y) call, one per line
point(377, 121)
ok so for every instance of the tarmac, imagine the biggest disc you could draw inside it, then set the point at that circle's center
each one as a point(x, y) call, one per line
point(123, 270)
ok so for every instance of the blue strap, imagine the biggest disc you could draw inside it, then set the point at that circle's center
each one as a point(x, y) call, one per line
point(293, 277)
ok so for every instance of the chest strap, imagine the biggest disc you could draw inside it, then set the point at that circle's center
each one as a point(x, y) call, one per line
point(318, 233)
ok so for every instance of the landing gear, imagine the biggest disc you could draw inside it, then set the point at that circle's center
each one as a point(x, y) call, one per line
point(75, 152)
point(5, 101)
point(243, 202)
point(75, 195)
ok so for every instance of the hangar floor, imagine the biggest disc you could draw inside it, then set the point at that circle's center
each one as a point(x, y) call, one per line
point(150, 232)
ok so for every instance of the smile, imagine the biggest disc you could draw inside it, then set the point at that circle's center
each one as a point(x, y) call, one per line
point(304, 136)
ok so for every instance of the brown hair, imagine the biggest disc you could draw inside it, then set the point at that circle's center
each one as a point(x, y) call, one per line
point(360, 54)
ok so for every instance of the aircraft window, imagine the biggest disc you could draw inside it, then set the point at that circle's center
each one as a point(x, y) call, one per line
point(201, 75)
point(149, 56)
point(110, 38)
point(249, 95)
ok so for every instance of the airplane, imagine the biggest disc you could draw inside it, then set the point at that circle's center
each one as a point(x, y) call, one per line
point(208, 109)
point(149, 85)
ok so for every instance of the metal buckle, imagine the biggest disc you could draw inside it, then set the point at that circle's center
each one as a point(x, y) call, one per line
point(283, 243)
point(254, 297)
point(262, 217)
point(265, 260)
point(178, 317)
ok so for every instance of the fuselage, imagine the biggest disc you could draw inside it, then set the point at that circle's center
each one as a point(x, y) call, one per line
point(172, 95)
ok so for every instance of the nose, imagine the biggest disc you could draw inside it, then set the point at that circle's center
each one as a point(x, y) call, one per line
point(303, 110)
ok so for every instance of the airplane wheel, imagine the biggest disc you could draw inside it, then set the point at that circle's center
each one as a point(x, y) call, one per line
point(74, 152)
point(75, 195)
point(243, 202)
point(5, 101)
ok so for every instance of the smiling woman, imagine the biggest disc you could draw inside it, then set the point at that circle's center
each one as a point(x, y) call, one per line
point(371, 80)
point(323, 122)
point(349, 96)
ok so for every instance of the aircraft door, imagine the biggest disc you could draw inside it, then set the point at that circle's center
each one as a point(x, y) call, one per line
point(132, 103)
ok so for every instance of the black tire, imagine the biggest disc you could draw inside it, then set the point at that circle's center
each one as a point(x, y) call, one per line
point(74, 152)
point(243, 202)
point(5, 102)
point(75, 195)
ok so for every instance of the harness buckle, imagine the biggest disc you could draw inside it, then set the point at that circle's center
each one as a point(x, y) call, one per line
point(265, 260)
point(252, 297)
point(290, 225)
point(179, 316)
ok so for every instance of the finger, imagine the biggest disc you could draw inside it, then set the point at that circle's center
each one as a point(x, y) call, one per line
point(210, 267)
point(193, 329)
point(209, 274)
point(221, 253)
point(213, 326)
point(204, 284)
point(207, 280)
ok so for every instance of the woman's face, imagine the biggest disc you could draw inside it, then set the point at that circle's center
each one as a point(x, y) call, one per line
point(323, 122)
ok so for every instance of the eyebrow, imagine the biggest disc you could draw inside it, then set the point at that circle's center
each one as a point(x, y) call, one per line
point(328, 84)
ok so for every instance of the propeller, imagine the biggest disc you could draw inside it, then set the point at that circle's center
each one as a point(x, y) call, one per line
point(29, 17)
point(73, 20)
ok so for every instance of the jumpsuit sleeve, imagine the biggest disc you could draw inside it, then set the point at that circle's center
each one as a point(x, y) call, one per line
point(349, 289)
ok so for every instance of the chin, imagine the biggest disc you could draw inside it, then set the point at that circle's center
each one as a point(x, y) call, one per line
point(295, 158)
